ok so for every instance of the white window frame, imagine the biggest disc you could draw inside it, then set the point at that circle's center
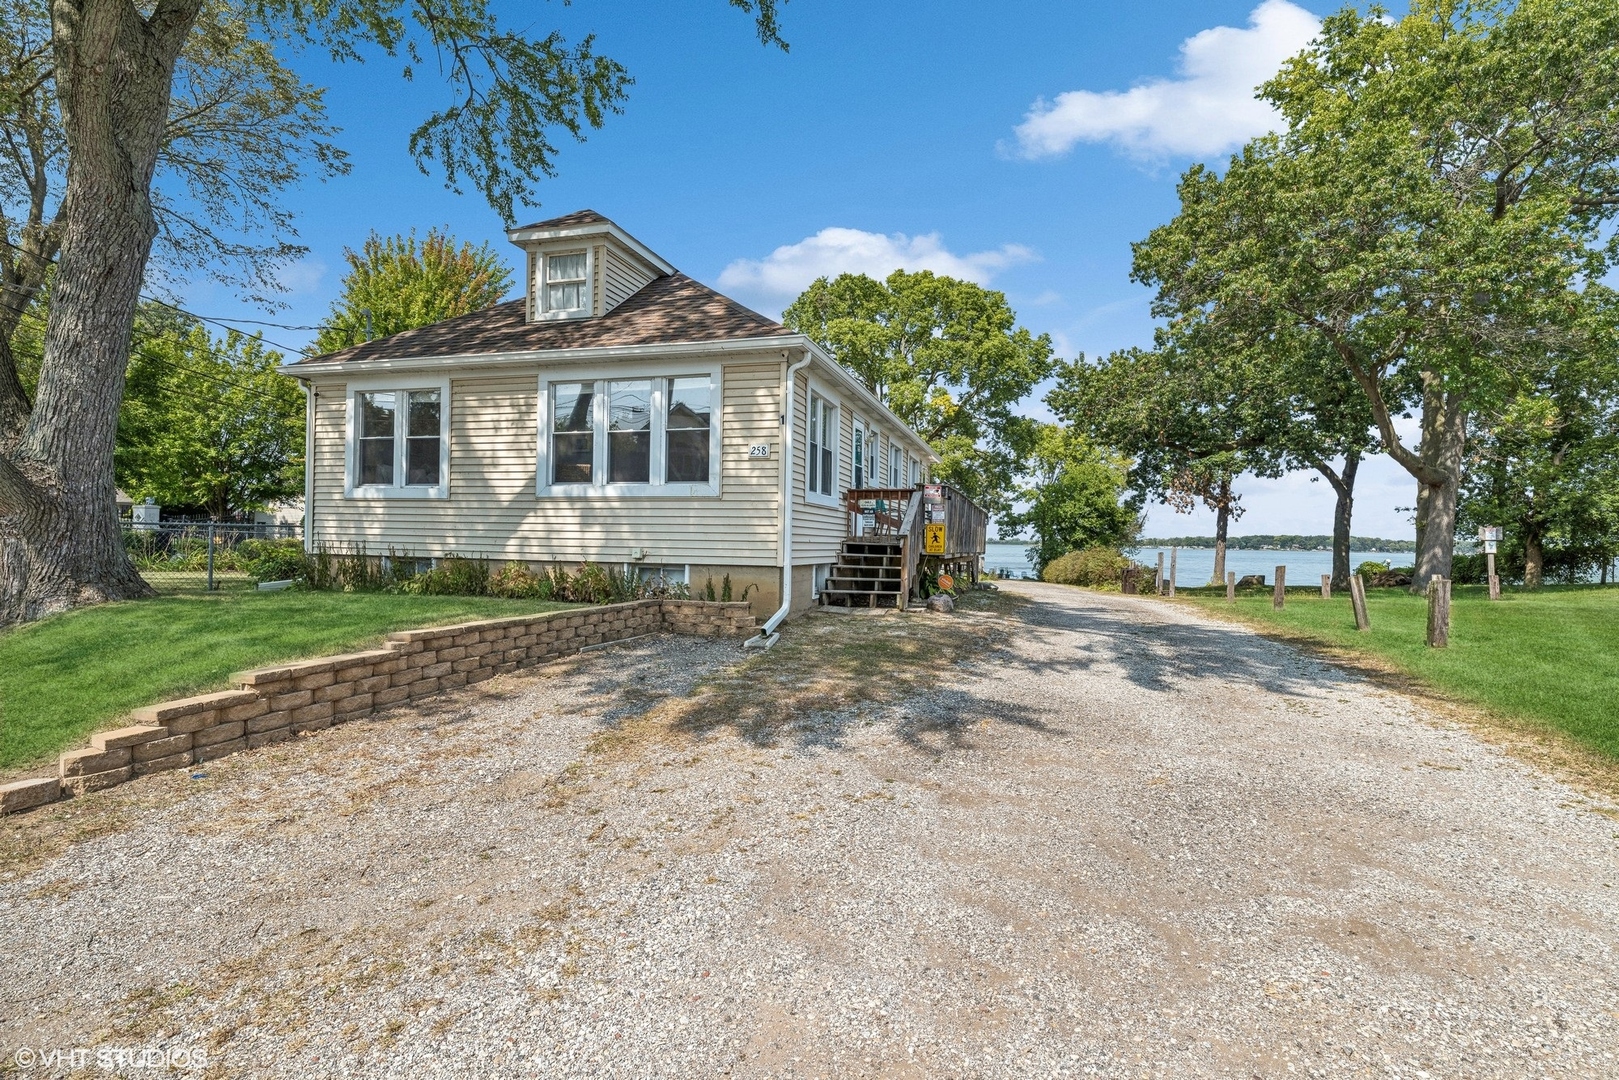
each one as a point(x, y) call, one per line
point(542, 294)
point(660, 375)
point(351, 457)
point(816, 390)
point(896, 465)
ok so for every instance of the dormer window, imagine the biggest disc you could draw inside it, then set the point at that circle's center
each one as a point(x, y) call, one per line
point(566, 287)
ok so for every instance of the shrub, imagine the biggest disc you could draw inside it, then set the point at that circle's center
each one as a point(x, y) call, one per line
point(1371, 568)
point(273, 560)
point(1093, 567)
point(593, 584)
point(453, 576)
point(515, 581)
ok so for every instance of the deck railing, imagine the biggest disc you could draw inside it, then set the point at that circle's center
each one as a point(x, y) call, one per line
point(904, 512)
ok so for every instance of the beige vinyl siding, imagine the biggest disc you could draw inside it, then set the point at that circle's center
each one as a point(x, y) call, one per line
point(493, 511)
point(623, 275)
point(818, 530)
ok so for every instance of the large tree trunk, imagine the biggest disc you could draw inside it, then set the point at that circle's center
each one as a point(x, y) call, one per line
point(1444, 437)
point(1343, 486)
point(59, 539)
point(1534, 555)
point(1222, 519)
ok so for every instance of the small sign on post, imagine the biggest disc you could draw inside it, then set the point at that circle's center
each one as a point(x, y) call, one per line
point(1491, 536)
point(933, 539)
point(1279, 597)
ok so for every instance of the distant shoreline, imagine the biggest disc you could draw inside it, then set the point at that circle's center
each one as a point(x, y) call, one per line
point(1371, 545)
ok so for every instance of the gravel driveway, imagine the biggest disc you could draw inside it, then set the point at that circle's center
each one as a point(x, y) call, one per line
point(1128, 841)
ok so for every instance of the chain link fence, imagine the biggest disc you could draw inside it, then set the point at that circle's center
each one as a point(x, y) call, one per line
point(210, 556)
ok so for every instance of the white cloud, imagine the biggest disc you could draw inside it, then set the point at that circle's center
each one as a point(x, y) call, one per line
point(1210, 109)
point(785, 272)
point(302, 277)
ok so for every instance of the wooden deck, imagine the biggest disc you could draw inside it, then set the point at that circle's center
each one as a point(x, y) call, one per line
point(887, 554)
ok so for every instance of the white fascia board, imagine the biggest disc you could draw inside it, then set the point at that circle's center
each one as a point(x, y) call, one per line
point(595, 228)
point(869, 401)
point(543, 356)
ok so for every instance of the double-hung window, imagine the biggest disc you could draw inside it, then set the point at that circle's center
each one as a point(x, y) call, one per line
point(821, 449)
point(398, 443)
point(565, 290)
point(859, 451)
point(896, 466)
point(645, 435)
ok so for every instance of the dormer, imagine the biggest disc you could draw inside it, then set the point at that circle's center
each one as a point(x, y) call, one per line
point(582, 266)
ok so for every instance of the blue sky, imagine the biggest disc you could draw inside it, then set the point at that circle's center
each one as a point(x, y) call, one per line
point(1024, 145)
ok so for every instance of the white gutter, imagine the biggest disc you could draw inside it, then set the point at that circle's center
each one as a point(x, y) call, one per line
point(307, 369)
point(767, 636)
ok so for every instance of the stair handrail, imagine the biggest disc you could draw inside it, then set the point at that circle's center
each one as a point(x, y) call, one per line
point(907, 538)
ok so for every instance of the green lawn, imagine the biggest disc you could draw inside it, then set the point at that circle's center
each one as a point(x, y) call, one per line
point(67, 676)
point(1550, 656)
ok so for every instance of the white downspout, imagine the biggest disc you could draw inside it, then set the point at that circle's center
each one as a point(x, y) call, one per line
point(309, 468)
point(767, 636)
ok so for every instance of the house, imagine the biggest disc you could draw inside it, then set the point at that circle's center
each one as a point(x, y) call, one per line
point(619, 412)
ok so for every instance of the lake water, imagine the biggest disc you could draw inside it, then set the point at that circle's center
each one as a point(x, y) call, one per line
point(1195, 565)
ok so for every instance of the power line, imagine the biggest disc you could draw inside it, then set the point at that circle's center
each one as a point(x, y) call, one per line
point(227, 324)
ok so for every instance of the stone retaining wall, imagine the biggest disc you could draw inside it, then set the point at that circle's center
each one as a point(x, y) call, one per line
point(278, 703)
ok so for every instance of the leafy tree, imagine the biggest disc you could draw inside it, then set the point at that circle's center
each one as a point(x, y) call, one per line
point(399, 284)
point(208, 421)
point(241, 127)
point(1202, 408)
point(946, 356)
point(114, 67)
point(1427, 215)
point(1546, 467)
point(1075, 498)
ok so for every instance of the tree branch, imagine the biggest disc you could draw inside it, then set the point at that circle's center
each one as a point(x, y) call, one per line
point(1320, 465)
point(1384, 417)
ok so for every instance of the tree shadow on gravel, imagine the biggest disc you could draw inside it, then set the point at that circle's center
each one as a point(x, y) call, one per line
point(833, 674)
point(1072, 632)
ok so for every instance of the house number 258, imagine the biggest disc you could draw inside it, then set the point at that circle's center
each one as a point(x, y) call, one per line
point(759, 450)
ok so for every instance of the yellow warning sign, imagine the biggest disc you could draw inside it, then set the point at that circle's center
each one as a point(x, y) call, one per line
point(933, 539)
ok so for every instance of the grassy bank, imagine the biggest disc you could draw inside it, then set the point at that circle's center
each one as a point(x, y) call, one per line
point(1550, 657)
point(65, 677)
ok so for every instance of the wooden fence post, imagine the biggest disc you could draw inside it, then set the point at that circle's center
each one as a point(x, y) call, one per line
point(1231, 586)
point(1279, 597)
point(1438, 613)
point(1357, 600)
point(1489, 569)
point(1158, 580)
point(1173, 552)
point(1326, 586)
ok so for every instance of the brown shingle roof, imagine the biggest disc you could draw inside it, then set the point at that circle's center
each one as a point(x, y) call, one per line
point(670, 309)
point(578, 217)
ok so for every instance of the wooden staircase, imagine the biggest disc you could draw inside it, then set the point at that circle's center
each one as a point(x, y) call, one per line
point(870, 573)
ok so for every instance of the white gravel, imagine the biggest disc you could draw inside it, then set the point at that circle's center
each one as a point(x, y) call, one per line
point(1131, 842)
